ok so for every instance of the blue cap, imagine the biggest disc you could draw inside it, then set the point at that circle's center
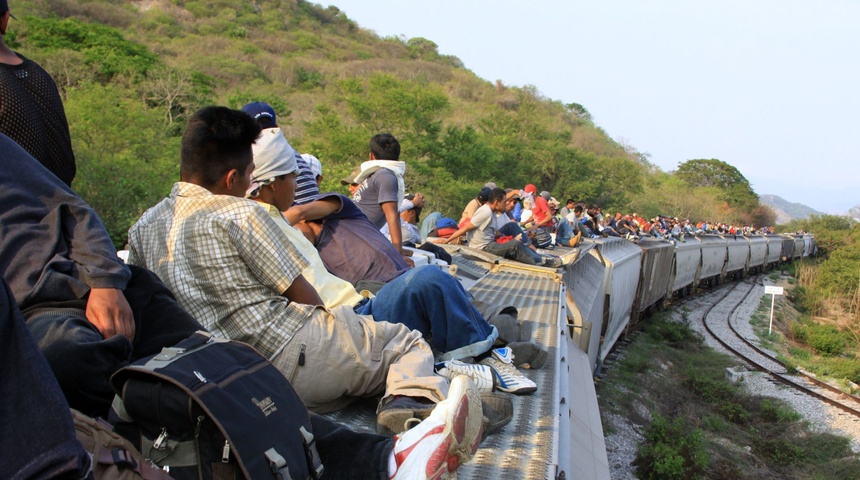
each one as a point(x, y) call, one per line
point(261, 112)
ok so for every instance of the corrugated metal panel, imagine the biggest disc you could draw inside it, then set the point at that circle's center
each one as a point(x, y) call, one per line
point(584, 281)
point(657, 258)
point(527, 448)
point(787, 247)
point(688, 261)
point(774, 248)
point(621, 258)
point(798, 246)
point(713, 256)
point(758, 251)
point(738, 253)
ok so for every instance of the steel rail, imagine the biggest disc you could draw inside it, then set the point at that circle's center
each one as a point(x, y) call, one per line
point(778, 376)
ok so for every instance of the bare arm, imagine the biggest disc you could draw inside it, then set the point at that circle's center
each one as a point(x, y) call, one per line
point(392, 217)
point(109, 311)
point(314, 210)
point(301, 291)
point(468, 227)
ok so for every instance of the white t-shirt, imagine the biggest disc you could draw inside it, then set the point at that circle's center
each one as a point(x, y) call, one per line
point(487, 223)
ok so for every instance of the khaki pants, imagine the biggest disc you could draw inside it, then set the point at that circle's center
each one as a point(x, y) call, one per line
point(347, 355)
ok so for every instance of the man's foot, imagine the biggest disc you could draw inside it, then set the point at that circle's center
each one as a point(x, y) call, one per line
point(481, 375)
point(436, 447)
point(498, 411)
point(528, 353)
point(396, 414)
point(552, 262)
point(506, 377)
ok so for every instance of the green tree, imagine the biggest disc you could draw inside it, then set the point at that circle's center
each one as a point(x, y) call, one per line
point(734, 188)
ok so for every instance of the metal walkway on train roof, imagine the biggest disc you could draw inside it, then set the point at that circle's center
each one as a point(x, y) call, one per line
point(556, 431)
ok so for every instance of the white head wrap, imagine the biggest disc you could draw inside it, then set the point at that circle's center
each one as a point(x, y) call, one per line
point(273, 157)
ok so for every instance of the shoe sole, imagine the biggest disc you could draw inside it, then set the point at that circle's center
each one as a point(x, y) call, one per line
point(463, 430)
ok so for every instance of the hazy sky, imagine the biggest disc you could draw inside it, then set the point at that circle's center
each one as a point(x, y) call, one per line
point(771, 87)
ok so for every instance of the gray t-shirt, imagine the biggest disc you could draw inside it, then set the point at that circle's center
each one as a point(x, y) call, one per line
point(380, 188)
point(487, 223)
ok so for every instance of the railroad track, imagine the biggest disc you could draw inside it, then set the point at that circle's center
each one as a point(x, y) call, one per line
point(721, 327)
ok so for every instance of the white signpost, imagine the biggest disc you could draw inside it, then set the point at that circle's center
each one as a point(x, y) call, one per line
point(773, 291)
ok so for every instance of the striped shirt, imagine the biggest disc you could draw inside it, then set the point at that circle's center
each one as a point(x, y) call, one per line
point(226, 261)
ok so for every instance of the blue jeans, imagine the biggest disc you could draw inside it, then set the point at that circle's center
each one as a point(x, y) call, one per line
point(434, 303)
point(515, 249)
point(564, 233)
point(513, 229)
point(38, 438)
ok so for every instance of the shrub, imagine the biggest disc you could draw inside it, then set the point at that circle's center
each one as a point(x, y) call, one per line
point(772, 411)
point(672, 450)
point(826, 340)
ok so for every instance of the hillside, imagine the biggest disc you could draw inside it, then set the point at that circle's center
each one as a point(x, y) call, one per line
point(132, 72)
point(787, 211)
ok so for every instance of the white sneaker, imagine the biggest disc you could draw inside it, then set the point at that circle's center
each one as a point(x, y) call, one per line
point(506, 377)
point(436, 447)
point(481, 375)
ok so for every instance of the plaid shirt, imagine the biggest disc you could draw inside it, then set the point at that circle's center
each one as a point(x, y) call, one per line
point(226, 261)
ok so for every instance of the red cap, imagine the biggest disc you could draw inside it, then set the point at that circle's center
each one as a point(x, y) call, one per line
point(531, 189)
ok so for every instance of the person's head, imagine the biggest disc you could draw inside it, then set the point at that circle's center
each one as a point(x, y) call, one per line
point(528, 204)
point(262, 113)
point(530, 189)
point(273, 180)
point(484, 195)
point(315, 165)
point(349, 180)
point(383, 146)
point(216, 150)
point(569, 203)
point(5, 13)
point(511, 199)
point(577, 210)
point(496, 201)
point(410, 208)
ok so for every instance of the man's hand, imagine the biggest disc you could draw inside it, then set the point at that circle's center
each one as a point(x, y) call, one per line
point(110, 313)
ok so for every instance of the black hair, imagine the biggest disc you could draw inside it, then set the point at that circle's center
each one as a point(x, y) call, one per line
point(569, 201)
point(496, 195)
point(384, 146)
point(217, 140)
point(577, 209)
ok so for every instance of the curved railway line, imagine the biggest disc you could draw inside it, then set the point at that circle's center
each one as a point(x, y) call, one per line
point(767, 363)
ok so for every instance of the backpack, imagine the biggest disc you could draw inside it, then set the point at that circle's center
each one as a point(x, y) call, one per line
point(113, 456)
point(543, 239)
point(209, 408)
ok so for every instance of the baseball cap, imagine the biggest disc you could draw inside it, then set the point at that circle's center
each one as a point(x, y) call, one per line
point(350, 179)
point(313, 163)
point(4, 7)
point(261, 112)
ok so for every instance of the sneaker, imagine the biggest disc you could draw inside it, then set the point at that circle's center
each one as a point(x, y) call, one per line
point(481, 375)
point(552, 262)
point(436, 447)
point(506, 377)
point(398, 413)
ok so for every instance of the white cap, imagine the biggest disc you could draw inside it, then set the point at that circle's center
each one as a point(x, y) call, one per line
point(314, 163)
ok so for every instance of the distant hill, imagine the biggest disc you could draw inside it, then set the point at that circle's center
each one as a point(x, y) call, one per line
point(787, 211)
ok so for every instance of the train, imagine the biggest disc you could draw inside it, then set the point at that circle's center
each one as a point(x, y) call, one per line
point(644, 276)
point(578, 313)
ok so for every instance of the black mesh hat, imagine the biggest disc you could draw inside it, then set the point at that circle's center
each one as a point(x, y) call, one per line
point(4, 7)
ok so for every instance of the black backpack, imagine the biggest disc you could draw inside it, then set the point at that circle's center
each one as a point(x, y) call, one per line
point(209, 408)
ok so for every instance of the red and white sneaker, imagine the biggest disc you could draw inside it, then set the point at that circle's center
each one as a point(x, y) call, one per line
point(435, 448)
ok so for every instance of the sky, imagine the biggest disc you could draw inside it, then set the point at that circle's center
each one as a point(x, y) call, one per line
point(771, 87)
